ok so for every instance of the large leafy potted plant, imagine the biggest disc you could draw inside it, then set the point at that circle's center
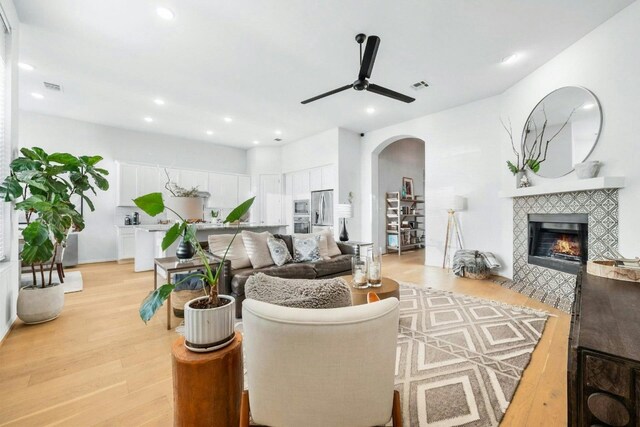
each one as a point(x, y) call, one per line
point(46, 187)
point(208, 319)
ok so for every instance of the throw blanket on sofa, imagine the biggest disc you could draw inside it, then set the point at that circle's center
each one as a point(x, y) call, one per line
point(299, 293)
point(473, 262)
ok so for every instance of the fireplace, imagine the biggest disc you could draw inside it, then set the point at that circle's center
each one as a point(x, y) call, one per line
point(558, 241)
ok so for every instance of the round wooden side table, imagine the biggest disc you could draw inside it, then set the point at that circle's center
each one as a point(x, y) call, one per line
point(390, 288)
point(207, 387)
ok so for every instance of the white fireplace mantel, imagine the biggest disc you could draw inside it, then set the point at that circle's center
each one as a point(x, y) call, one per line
point(565, 186)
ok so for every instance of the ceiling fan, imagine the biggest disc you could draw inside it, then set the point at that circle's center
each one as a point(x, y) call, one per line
point(366, 66)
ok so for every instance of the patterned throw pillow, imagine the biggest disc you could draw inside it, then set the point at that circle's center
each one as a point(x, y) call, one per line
point(306, 248)
point(279, 251)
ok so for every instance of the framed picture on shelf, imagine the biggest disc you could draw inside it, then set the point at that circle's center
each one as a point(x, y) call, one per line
point(407, 185)
point(392, 240)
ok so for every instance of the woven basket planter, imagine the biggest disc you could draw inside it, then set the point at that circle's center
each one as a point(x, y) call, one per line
point(478, 275)
point(180, 298)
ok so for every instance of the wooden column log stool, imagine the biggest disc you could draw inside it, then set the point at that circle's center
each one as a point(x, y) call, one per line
point(207, 387)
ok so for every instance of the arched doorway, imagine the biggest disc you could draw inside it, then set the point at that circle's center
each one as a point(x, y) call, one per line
point(396, 157)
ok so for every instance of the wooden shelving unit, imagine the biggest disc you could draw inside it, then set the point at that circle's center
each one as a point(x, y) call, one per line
point(405, 225)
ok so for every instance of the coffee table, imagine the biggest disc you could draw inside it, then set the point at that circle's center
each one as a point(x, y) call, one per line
point(390, 288)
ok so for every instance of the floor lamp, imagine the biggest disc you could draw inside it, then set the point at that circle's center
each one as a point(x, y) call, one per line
point(453, 205)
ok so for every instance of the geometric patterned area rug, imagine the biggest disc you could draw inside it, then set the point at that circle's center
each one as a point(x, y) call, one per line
point(460, 358)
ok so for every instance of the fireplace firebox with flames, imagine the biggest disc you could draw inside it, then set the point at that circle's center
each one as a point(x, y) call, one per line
point(558, 241)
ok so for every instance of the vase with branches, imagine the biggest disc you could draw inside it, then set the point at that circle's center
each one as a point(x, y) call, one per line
point(534, 144)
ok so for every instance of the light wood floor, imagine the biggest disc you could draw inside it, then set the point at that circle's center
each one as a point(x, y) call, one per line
point(99, 364)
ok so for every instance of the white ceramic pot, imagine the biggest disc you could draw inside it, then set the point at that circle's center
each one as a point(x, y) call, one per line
point(186, 207)
point(211, 327)
point(586, 170)
point(38, 305)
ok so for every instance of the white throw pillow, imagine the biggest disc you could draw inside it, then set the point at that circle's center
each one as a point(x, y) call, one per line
point(257, 248)
point(237, 254)
point(332, 246)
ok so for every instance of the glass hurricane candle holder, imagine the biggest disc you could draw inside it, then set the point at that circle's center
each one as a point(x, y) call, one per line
point(374, 269)
point(359, 271)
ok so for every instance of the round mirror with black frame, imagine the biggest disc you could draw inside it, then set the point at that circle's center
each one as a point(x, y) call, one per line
point(562, 131)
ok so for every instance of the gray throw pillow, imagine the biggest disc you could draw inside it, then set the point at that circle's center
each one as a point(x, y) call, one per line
point(299, 293)
point(279, 251)
point(306, 248)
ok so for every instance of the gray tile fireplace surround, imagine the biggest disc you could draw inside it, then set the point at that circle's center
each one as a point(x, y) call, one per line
point(553, 287)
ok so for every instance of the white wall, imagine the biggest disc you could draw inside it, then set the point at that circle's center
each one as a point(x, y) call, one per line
point(460, 158)
point(466, 148)
point(9, 268)
point(349, 179)
point(317, 150)
point(403, 158)
point(97, 242)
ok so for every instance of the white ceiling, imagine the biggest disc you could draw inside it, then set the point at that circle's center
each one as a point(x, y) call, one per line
point(256, 60)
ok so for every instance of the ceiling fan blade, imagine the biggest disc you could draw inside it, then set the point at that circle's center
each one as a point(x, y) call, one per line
point(331, 92)
point(369, 57)
point(390, 93)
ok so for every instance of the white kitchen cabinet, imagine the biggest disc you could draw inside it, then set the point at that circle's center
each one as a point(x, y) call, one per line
point(244, 188)
point(126, 243)
point(301, 188)
point(224, 191)
point(190, 179)
point(270, 199)
point(127, 183)
point(147, 180)
point(328, 177)
point(315, 179)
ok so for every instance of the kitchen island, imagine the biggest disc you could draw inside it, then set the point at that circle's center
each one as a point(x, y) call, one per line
point(148, 239)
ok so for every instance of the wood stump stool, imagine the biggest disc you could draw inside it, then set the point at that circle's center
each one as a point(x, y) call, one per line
point(207, 387)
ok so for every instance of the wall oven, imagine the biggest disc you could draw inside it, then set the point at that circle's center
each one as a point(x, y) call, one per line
point(301, 225)
point(301, 207)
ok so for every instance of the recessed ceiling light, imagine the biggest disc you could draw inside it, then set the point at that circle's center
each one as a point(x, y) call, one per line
point(158, 101)
point(25, 66)
point(278, 132)
point(209, 132)
point(148, 119)
point(256, 142)
point(37, 95)
point(228, 119)
point(511, 59)
point(165, 13)
point(370, 110)
point(588, 106)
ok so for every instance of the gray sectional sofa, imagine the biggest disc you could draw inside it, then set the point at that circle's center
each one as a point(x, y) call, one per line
point(232, 281)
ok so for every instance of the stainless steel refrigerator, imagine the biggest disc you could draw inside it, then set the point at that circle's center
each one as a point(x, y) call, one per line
point(322, 208)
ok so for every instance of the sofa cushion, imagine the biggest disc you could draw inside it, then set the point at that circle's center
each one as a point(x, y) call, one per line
point(306, 247)
point(334, 265)
point(257, 248)
point(297, 271)
point(279, 251)
point(300, 293)
point(332, 246)
point(237, 254)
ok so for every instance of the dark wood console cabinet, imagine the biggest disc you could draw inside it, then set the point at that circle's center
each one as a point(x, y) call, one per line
point(603, 377)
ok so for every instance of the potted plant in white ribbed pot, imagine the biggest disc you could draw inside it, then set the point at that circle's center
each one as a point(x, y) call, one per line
point(208, 319)
point(43, 186)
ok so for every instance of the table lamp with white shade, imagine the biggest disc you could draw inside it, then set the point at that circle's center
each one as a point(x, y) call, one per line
point(344, 211)
point(452, 204)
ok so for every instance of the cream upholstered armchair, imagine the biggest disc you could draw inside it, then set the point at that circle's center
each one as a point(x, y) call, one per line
point(320, 367)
